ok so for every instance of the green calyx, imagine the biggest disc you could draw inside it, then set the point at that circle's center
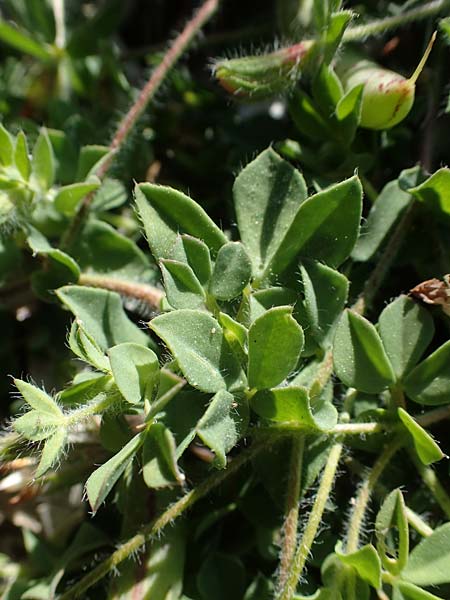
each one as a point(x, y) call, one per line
point(259, 76)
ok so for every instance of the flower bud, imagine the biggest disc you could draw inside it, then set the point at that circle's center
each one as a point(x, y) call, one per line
point(256, 77)
point(387, 96)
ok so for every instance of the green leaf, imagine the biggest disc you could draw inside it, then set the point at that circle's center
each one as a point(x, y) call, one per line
point(165, 212)
point(40, 423)
point(197, 342)
point(434, 192)
point(428, 562)
point(114, 431)
point(234, 332)
point(77, 346)
point(183, 289)
point(102, 480)
point(61, 269)
point(325, 227)
point(69, 196)
point(111, 194)
point(6, 147)
point(103, 250)
point(22, 42)
point(325, 293)
point(181, 416)
point(327, 90)
point(334, 571)
point(406, 329)
point(53, 448)
point(426, 448)
point(267, 195)
point(102, 316)
point(366, 562)
point(135, 369)
point(348, 113)
point(384, 214)
point(85, 347)
point(38, 399)
point(195, 253)
point(261, 588)
point(221, 577)
point(412, 592)
point(21, 157)
point(337, 24)
point(307, 119)
point(429, 382)
point(293, 404)
point(36, 426)
point(275, 341)
point(261, 300)
point(360, 360)
point(85, 386)
point(43, 165)
point(232, 271)
point(412, 177)
point(159, 463)
point(90, 159)
point(217, 428)
point(392, 531)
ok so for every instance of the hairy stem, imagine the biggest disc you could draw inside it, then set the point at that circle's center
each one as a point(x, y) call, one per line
point(428, 9)
point(143, 292)
point(94, 408)
point(175, 51)
point(313, 523)
point(381, 491)
point(173, 512)
point(292, 499)
point(432, 482)
point(365, 493)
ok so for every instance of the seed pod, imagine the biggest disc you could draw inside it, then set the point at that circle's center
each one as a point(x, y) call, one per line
point(387, 97)
point(256, 77)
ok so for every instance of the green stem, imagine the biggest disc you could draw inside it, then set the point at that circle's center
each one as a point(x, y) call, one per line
point(292, 499)
point(148, 92)
point(418, 523)
point(377, 276)
point(143, 292)
point(161, 402)
point(378, 26)
point(397, 397)
point(289, 427)
point(365, 493)
point(324, 373)
point(313, 523)
point(94, 408)
point(60, 44)
point(173, 512)
point(60, 23)
point(432, 482)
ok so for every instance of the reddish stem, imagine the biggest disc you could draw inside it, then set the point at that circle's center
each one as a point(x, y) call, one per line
point(147, 93)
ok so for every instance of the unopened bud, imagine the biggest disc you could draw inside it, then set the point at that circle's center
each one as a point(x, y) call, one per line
point(257, 77)
point(387, 96)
